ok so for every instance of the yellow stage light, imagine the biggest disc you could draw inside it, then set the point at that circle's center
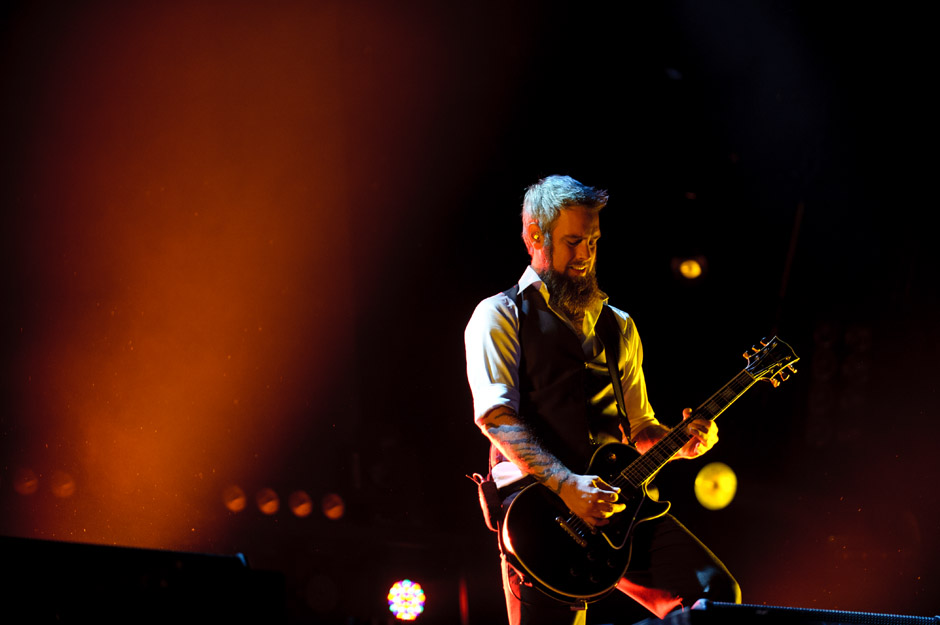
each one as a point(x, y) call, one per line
point(715, 486)
point(690, 268)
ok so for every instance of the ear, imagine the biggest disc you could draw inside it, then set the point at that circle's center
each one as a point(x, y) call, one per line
point(535, 235)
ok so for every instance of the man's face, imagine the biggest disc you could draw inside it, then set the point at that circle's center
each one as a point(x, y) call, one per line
point(566, 261)
point(574, 242)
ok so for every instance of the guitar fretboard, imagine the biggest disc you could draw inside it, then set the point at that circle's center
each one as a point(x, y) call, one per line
point(642, 470)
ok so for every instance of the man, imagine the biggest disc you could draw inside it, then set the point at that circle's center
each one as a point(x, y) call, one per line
point(543, 396)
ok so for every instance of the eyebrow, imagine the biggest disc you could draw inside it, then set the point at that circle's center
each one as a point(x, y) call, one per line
point(593, 235)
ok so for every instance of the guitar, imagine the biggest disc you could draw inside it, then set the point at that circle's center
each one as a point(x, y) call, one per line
point(567, 558)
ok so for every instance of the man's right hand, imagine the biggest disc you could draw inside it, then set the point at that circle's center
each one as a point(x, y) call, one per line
point(591, 498)
point(588, 496)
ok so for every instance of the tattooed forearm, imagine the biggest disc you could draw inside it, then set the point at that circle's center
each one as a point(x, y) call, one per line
point(559, 477)
point(517, 442)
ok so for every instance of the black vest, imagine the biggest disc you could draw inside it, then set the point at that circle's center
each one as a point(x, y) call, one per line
point(556, 384)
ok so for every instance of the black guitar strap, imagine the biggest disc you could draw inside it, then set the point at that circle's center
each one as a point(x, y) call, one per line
point(608, 333)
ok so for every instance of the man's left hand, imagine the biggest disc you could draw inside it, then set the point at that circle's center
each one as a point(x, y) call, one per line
point(704, 435)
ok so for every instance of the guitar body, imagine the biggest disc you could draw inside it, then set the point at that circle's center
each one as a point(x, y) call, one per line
point(562, 555)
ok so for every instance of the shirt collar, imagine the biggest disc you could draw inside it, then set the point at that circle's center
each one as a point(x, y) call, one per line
point(531, 278)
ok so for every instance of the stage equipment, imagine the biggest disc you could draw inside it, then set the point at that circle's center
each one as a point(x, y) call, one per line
point(60, 582)
point(705, 612)
point(406, 600)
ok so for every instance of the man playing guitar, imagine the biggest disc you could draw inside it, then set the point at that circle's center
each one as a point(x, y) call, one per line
point(543, 396)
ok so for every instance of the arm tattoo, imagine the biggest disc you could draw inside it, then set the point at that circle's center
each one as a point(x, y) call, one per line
point(518, 443)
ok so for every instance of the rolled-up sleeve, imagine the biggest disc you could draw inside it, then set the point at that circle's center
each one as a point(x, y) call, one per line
point(491, 340)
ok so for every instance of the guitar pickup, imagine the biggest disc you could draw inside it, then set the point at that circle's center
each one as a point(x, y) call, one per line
point(574, 535)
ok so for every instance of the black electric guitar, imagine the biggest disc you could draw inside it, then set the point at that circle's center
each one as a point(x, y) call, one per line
point(566, 557)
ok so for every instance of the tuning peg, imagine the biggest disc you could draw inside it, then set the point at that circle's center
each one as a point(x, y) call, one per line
point(746, 355)
point(774, 382)
point(755, 349)
point(782, 378)
point(763, 341)
point(791, 368)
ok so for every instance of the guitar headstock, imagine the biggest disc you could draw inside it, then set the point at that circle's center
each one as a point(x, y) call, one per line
point(771, 361)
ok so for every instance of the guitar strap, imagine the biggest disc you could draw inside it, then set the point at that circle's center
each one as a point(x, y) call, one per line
point(608, 333)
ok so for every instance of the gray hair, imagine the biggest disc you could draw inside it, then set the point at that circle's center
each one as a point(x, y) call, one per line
point(545, 200)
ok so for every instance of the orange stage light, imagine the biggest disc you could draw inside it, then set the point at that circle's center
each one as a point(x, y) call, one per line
point(268, 501)
point(300, 503)
point(62, 484)
point(333, 506)
point(25, 482)
point(690, 267)
point(234, 498)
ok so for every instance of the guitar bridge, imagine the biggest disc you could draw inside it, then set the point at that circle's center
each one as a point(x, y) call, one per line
point(574, 535)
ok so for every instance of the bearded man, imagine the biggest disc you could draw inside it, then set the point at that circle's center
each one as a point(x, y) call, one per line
point(543, 395)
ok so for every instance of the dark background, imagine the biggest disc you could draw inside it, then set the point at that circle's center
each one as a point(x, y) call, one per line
point(357, 172)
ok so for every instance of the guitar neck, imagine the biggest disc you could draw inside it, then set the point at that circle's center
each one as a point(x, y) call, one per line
point(642, 470)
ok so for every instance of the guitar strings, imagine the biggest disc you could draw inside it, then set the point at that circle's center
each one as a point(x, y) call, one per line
point(647, 465)
point(644, 468)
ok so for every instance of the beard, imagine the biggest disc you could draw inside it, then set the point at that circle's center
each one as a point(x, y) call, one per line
point(571, 295)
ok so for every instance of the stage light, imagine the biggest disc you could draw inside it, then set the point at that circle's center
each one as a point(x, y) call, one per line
point(689, 267)
point(25, 482)
point(333, 506)
point(62, 484)
point(268, 501)
point(406, 600)
point(234, 498)
point(715, 485)
point(300, 503)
